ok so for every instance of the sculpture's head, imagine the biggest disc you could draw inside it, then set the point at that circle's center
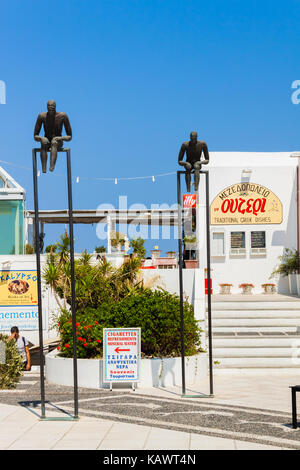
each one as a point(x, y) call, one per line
point(51, 106)
point(193, 137)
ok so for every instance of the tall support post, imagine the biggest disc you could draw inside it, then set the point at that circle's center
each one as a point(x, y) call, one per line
point(211, 386)
point(73, 306)
point(180, 267)
point(39, 285)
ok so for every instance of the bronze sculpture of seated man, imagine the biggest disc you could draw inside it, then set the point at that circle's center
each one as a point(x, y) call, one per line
point(193, 150)
point(53, 123)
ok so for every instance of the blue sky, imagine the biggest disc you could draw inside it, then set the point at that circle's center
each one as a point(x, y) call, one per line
point(135, 77)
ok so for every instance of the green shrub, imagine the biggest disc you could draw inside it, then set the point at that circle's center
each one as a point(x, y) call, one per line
point(29, 249)
point(100, 249)
point(12, 370)
point(88, 332)
point(289, 263)
point(157, 313)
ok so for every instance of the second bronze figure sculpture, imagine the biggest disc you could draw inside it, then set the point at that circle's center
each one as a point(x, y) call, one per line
point(53, 123)
point(193, 150)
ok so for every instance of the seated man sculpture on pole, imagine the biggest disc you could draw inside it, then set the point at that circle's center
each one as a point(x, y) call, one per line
point(53, 123)
point(193, 150)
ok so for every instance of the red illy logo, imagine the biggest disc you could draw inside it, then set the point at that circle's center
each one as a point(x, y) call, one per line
point(189, 200)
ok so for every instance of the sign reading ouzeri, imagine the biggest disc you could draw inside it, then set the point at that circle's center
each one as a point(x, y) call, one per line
point(121, 354)
point(246, 204)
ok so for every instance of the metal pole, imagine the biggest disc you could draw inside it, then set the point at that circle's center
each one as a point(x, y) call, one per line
point(180, 260)
point(208, 285)
point(73, 306)
point(38, 270)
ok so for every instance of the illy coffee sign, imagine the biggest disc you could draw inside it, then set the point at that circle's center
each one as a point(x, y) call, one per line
point(189, 201)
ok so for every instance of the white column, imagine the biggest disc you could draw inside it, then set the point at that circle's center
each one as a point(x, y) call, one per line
point(109, 234)
point(201, 223)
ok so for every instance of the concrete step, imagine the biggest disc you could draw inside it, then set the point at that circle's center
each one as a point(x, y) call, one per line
point(269, 371)
point(293, 305)
point(256, 352)
point(229, 314)
point(249, 329)
point(255, 322)
point(265, 362)
point(257, 342)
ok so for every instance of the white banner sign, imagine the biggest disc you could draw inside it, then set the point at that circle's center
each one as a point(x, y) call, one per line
point(25, 318)
point(121, 354)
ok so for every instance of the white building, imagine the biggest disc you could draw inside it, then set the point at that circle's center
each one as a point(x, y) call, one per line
point(253, 215)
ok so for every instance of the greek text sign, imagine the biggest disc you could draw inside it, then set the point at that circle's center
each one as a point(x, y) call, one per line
point(121, 354)
point(18, 288)
point(246, 204)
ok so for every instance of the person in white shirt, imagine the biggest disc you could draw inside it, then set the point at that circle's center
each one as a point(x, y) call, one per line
point(22, 345)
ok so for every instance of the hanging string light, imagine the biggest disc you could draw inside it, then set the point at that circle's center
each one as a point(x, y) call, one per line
point(95, 178)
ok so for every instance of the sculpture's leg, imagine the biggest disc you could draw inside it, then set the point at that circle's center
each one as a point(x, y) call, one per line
point(188, 181)
point(188, 169)
point(44, 149)
point(55, 146)
point(197, 168)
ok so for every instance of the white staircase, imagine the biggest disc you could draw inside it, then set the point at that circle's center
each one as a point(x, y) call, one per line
point(256, 337)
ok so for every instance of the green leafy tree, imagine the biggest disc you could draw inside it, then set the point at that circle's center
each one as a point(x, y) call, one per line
point(117, 239)
point(137, 244)
point(51, 248)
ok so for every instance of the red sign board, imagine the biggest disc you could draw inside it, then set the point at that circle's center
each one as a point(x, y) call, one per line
point(189, 201)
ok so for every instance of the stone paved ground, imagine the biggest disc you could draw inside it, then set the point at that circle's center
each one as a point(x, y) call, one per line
point(197, 416)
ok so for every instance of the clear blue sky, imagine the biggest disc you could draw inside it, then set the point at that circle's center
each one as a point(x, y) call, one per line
point(135, 77)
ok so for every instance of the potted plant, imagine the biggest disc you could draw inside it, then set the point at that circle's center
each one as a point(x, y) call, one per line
point(269, 288)
point(246, 287)
point(190, 242)
point(190, 246)
point(289, 266)
point(225, 288)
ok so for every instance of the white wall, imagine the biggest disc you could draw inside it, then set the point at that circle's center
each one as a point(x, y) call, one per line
point(278, 173)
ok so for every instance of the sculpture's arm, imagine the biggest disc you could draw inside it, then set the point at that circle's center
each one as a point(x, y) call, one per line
point(181, 155)
point(206, 154)
point(37, 129)
point(68, 130)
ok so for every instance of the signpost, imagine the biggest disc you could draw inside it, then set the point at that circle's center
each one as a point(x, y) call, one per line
point(122, 355)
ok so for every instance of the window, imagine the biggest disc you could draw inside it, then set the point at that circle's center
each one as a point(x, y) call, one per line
point(218, 244)
point(258, 243)
point(11, 222)
point(237, 243)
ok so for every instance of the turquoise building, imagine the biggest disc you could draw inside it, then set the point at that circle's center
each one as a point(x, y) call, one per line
point(12, 216)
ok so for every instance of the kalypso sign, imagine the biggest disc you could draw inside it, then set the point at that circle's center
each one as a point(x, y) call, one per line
point(246, 204)
point(121, 354)
point(18, 300)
